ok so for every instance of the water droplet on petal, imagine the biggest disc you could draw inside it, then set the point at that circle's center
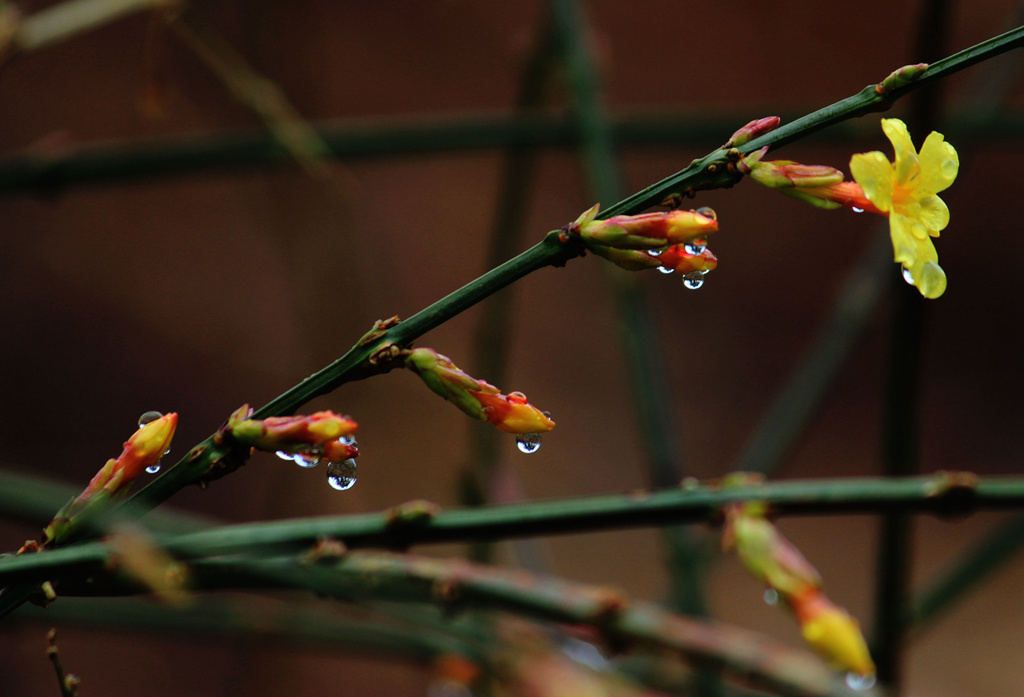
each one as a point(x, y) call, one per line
point(694, 279)
point(696, 246)
point(907, 276)
point(341, 475)
point(860, 682)
point(771, 596)
point(149, 417)
point(153, 469)
point(665, 269)
point(856, 210)
point(707, 213)
point(528, 442)
point(949, 168)
point(348, 440)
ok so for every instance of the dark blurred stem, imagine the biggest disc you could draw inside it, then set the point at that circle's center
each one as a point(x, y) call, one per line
point(900, 432)
point(646, 366)
point(495, 329)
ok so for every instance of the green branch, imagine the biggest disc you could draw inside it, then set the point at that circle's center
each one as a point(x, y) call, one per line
point(458, 585)
point(941, 494)
point(711, 171)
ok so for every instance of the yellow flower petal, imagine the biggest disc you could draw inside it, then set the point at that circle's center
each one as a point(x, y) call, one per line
point(874, 174)
point(933, 213)
point(939, 164)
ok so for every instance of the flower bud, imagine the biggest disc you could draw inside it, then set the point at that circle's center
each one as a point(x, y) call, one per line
point(754, 129)
point(833, 633)
point(645, 231)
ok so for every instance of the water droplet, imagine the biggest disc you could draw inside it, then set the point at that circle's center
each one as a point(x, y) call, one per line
point(665, 269)
point(285, 456)
point(153, 469)
point(307, 458)
point(707, 213)
point(348, 440)
point(149, 417)
point(342, 475)
point(528, 442)
point(771, 596)
point(696, 246)
point(860, 682)
point(694, 279)
point(907, 276)
point(655, 252)
point(856, 210)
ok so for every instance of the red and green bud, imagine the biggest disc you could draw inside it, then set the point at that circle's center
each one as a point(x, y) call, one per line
point(644, 231)
point(289, 433)
point(144, 449)
point(754, 129)
point(901, 77)
point(477, 398)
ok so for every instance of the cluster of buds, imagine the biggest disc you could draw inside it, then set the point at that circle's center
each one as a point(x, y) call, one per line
point(307, 440)
point(511, 412)
point(779, 565)
point(670, 240)
point(141, 452)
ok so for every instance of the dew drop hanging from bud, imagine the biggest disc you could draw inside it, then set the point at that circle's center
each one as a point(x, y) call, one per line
point(341, 475)
point(856, 210)
point(307, 458)
point(665, 269)
point(771, 596)
point(707, 212)
point(694, 279)
point(153, 469)
point(528, 442)
point(907, 276)
point(149, 417)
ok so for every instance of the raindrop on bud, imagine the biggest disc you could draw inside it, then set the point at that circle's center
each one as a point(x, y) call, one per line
point(153, 469)
point(149, 417)
point(707, 213)
point(528, 442)
point(341, 475)
point(694, 279)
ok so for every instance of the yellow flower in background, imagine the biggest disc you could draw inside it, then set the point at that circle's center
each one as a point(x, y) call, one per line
point(906, 189)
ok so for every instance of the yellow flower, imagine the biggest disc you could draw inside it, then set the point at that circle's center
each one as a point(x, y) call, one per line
point(906, 190)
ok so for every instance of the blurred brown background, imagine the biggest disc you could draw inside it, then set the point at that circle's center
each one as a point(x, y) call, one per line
point(199, 292)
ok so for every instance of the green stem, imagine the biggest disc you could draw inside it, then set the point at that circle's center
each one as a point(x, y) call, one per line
point(708, 172)
point(940, 494)
point(456, 584)
point(712, 171)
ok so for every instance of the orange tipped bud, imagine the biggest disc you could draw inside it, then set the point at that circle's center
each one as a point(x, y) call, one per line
point(291, 433)
point(512, 413)
point(144, 449)
point(833, 633)
point(645, 231)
